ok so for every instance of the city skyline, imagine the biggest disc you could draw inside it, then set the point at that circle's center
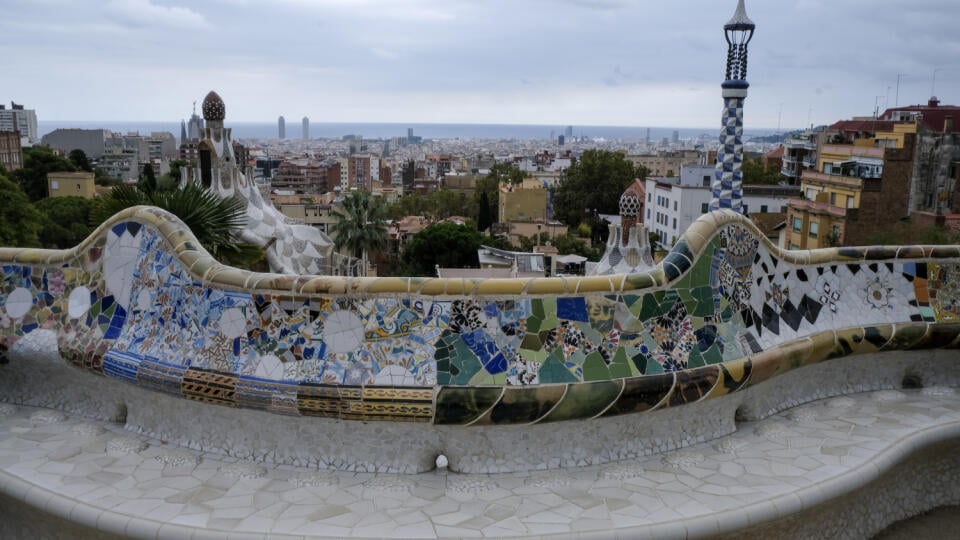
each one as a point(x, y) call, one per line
point(575, 62)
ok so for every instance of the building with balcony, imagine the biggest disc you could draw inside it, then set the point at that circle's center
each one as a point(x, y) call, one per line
point(304, 176)
point(857, 189)
point(799, 154)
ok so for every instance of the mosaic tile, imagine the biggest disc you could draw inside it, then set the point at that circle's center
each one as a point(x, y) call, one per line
point(131, 307)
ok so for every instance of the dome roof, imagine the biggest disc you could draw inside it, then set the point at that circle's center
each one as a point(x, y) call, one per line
point(629, 203)
point(213, 107)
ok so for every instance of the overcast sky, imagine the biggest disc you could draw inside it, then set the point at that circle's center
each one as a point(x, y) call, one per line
point(580, 62)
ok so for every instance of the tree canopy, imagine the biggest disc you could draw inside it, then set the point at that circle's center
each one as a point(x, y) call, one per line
point(593, 184)
point(20, 222)
point(80, 160)
point(755, 173)
point(506, 173)
point(447, 245)
point(66, 221)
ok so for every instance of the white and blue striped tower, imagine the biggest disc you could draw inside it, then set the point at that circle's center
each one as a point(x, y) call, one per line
point(727, 182)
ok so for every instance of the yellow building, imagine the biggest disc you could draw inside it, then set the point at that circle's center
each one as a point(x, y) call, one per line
point(71, 184)
point(522, 203)
point(850, 167)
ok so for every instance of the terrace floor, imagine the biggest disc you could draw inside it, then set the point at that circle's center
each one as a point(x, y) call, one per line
point(91, 478)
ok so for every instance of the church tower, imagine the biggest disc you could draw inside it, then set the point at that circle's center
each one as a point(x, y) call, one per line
point(727, 185)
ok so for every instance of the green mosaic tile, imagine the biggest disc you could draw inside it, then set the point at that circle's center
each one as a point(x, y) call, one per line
point(702, 305)
point(622, 367)
point(463, 363)
point(553, 371)
point(550, 320)
point(531, 341)
point(711, 355)
point(653, 368)
point(594, 368)
point(695, 359)
point(651, 306)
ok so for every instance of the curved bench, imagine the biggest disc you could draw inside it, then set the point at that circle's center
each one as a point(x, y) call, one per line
point(501, 374)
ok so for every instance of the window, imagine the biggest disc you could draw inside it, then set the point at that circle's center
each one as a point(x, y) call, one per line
point(648, 214)
point(649, 197)
point(827, 168)
point(674, 206)
point(849, 201)
point(763, 209)
point(833, 199)
point(703, 208)
point(814, 229)
point(674, 223)
point(810, 194)
point(54, 184)
point(797, 224)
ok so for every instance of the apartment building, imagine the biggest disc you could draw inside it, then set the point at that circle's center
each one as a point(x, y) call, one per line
point(859, 187)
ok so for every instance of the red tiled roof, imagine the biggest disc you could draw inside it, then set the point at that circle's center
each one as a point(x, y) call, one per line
point(863, 125)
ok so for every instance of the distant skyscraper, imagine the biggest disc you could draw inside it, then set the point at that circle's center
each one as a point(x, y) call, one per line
point(569, 131)
point(727, 185)
point(647, 141)
point(195, 125)
point(183, 131)
point(16, 118)
point(281, 128)
point(676, 136)
point(409, 135)
point(306, 128)
point(560, 140)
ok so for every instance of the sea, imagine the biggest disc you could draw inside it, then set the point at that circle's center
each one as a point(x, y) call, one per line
point(331, 130)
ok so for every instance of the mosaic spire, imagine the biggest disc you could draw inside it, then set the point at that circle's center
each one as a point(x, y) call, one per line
point(727, 185)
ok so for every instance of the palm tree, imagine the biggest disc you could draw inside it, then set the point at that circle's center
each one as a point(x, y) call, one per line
point(361, 225)
point(214, 220)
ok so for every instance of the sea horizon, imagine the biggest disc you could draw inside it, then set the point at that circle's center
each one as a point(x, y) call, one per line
point(388, 130)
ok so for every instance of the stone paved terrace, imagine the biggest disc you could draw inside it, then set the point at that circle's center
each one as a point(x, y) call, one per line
point(840, 467)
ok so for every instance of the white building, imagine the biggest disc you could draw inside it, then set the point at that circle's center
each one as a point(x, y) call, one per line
point(16, 118)
point(673, 204)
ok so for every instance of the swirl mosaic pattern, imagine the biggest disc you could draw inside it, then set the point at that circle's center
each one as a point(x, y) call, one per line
point(140, 301)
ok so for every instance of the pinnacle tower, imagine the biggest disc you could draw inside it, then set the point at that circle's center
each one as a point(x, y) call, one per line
point(727, 185)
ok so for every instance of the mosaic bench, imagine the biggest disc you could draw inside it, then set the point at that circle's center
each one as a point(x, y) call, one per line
point(497, 374)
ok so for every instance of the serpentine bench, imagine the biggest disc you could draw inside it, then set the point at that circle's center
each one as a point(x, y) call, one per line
point(497, 375)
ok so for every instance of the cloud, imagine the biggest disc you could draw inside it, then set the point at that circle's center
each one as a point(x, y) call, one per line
point(144, 13)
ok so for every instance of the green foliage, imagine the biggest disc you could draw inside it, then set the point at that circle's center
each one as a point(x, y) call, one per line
point(904, 233)
point(488, 188)
point(80, 160)
point(148, 179)
point(584, 230)
point(567, 244)
point(593, 183)
point(439, 204)
point(37, 162)
point(361, 225)
point(754, 173)
point(447, 245)
point(20, 222)
point(483, 212)
point(66, 221)
point(506, 173)
point(214, 220)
